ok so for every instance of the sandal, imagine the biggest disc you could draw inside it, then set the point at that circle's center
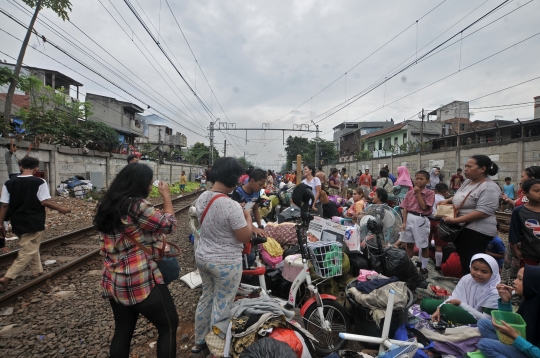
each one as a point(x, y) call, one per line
point(198, 348)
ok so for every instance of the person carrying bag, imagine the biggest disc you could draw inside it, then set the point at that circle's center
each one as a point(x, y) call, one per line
point(136, 262)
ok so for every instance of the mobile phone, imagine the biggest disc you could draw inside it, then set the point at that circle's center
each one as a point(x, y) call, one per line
point(156, 183)
point(249, 205)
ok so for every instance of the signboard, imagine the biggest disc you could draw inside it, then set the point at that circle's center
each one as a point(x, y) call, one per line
point(325, 230)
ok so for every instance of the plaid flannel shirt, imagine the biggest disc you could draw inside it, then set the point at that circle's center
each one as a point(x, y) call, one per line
point(129, 274)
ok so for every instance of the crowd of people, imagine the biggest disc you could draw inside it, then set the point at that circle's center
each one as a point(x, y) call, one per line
point(133, 283)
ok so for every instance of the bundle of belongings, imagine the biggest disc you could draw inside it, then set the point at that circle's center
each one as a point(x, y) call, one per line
point(76, 187)
point(257, 328)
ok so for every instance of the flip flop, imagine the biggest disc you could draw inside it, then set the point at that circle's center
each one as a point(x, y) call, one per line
point(4, 285)
point(198, 348)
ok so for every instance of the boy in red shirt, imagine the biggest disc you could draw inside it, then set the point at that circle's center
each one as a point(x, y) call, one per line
point(457, 180)
point(417, 206)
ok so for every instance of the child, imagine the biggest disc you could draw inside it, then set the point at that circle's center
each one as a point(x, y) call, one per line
point(350, 200)
point(441, 191)
point(251, 192)
point(457, 180)
point(527, 285)
point(24, 199)
point(203, 183)
point(417, 206)
point(183, 182)
point(359, 201)
point(474, 297)
point(508, 188)
point(525, 226)
point(496, 249)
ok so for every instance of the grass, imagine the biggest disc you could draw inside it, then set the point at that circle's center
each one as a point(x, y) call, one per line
point(175, 189)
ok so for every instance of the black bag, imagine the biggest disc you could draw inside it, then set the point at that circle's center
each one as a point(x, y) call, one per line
point(400, 265)
point(449, 232)
point(169, 267)
point(268, 348)
point(290, 214)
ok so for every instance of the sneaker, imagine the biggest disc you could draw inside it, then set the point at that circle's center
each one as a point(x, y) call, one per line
point(438, 269)
point(424, 272)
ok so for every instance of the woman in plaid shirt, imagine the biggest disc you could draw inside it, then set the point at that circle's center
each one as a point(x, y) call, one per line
point(132, 280)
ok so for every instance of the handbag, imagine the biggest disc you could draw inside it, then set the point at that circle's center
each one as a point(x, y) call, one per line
point(450, 232)
point(166, 261)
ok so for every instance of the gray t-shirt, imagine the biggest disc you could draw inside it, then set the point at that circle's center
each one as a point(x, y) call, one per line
point(12, 163)
point(484, 198)
point(217, 242)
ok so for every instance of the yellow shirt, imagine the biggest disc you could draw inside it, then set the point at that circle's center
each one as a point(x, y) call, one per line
point(183, 180)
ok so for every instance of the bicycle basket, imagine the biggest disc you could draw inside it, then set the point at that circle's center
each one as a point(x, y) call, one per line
point(327, 258)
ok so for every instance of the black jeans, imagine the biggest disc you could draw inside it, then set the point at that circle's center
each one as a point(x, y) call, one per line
point(159, 309)
point(468, 244)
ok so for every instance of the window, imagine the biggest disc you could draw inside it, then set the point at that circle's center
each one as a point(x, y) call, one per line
point(396, 140)
point(404, 137)
point(387, 143)
point(462, 126)
point(137, 123)
point(380, 144)
point(371, 146)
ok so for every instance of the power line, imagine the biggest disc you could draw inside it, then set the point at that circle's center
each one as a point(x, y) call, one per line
point(367, 57)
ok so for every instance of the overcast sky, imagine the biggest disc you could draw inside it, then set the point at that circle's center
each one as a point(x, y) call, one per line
point(263, 59)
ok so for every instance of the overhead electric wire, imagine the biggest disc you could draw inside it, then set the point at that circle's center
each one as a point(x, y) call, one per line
point(100, 75)
point(367, 57)
point(108, 65)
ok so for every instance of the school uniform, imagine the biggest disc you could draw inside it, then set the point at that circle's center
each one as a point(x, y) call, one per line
point(418, 225)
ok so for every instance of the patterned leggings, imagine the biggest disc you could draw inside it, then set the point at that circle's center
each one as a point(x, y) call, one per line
point(219, 286)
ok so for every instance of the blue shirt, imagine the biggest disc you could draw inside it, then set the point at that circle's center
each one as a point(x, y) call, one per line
point(392, 178)
point(509, 190)
point(496, 246)
point(241, 196)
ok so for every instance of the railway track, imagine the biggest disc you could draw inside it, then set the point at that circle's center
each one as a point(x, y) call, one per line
point(504, 220)
point(62, 249)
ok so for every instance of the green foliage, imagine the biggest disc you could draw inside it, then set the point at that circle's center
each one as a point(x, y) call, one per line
point(93, 135)
point(175, 189)
point(24, 83)
point(364, 154)
point(244, 162)
point(200, 154)
point(60, 7)
point(306, 148)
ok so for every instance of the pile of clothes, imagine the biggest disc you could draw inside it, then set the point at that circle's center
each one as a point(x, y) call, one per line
point(76, 187)
point(257, 328)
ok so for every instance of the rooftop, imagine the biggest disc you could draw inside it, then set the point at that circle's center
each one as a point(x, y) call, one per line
point(56, 73)
point(385, 131)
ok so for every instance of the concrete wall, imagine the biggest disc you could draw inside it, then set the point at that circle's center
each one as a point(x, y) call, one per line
point(511, 157)
point(61, 163)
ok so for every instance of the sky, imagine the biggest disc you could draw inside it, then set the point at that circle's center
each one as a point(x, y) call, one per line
point(282, 64)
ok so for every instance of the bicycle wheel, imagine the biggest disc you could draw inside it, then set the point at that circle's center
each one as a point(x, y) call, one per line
point(328, 342)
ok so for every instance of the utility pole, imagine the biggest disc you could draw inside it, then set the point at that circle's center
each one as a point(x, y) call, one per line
point(316, 145)
point(159, 146)
point(211, 143)
point(422, 128)
point(225, 147)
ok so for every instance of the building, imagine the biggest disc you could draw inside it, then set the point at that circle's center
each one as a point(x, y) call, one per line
point(51, 78)
point(162, 136)
point(120, 115)
point(351, 133)
point(455, 117)
point(537, 107)
point(406, 137)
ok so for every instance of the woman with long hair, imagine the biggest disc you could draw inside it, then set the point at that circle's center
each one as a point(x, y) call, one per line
point(359, 204)
point(333, 182)
point(225, 227)
point(131, 280)
point(478, 199)
point(315, 184)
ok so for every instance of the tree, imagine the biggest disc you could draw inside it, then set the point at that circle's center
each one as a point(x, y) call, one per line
point(306, 148)
point(60, 7)
point(200, 154)
point(244, 162)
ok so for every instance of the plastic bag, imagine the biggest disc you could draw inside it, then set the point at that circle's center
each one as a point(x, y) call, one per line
point(398, 264)
point(268, 348)
point(287, 335)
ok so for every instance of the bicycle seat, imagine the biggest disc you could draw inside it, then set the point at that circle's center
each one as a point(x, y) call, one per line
point(256, 240)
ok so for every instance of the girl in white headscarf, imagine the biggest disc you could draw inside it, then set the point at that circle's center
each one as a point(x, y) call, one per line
point(434, 178)
point(474, 297)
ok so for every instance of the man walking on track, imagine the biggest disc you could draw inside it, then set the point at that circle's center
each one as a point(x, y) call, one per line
point(24, 199)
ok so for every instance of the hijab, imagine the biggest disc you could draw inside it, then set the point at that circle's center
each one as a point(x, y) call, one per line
point(530, 308)
point(404, 179)
point(433, 178)
point(479, 295)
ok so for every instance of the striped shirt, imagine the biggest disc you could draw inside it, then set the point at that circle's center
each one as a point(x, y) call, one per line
point(12, 163)
point(129, 274)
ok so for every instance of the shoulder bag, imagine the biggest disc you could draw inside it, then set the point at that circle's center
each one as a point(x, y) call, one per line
point(166, 261)
point(450, 232)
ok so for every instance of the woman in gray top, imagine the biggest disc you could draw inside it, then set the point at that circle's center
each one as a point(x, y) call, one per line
point(478, 210)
